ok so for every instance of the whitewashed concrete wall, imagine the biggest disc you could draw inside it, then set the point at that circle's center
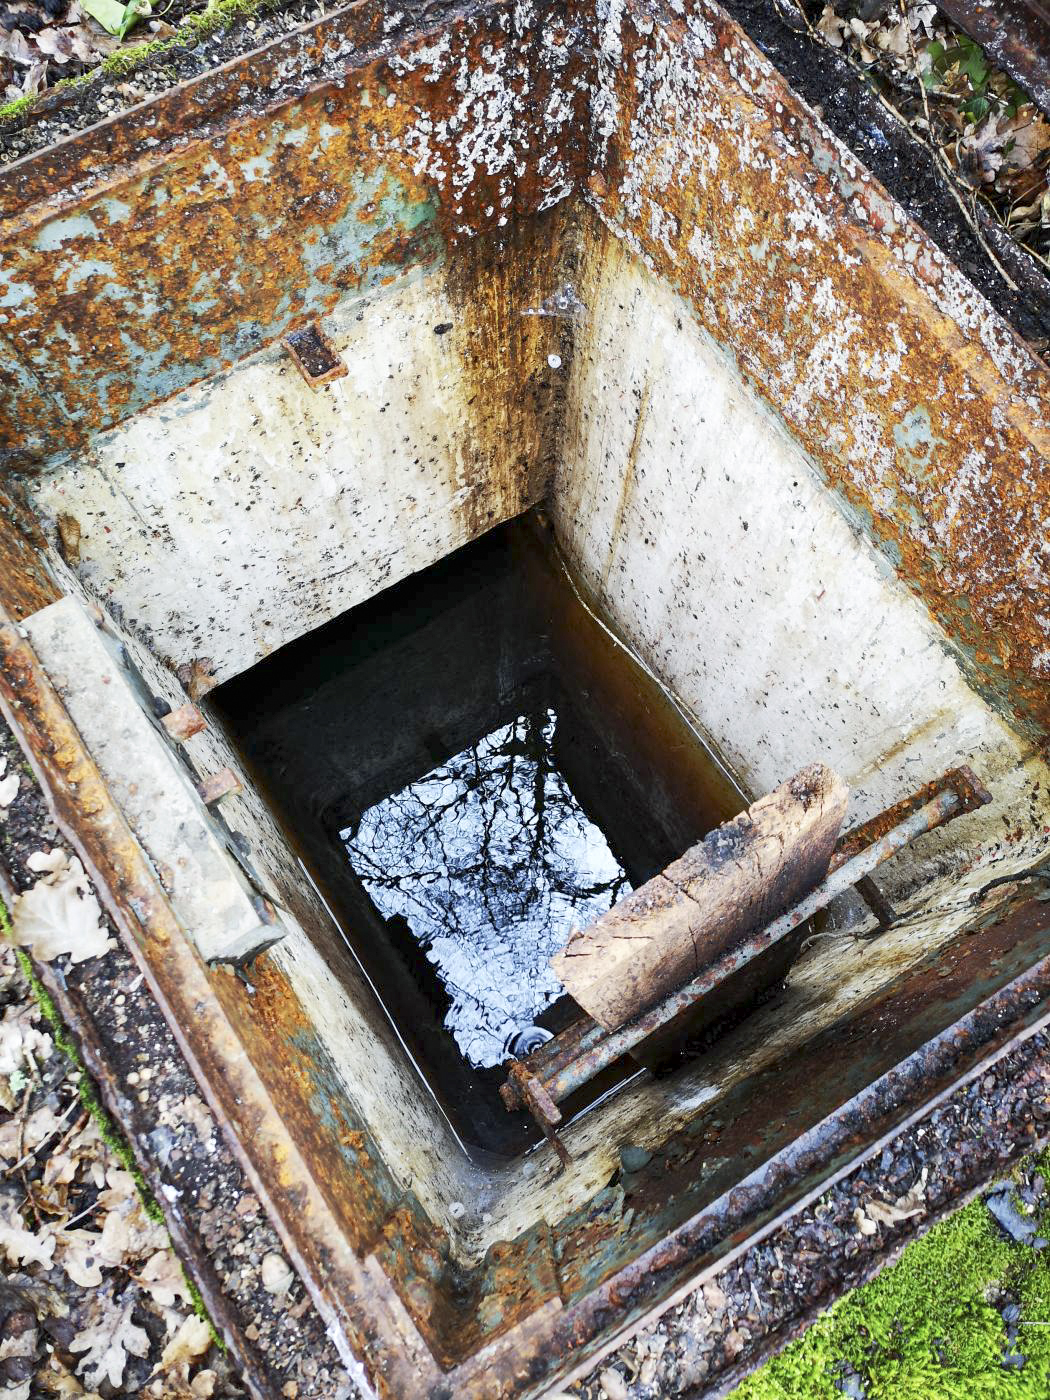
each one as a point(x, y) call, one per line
point(250, 509)
point(716, 551)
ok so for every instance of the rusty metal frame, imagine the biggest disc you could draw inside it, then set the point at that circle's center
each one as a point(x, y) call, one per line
point(557, 1317)
point(354, 1293)
point(1015, 34)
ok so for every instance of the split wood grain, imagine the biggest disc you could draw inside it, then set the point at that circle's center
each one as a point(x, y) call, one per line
point(738, 879)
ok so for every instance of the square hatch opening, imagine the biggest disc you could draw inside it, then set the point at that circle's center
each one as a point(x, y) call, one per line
point(471, 767)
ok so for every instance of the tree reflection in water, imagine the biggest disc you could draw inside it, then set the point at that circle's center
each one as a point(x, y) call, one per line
point(492, 862)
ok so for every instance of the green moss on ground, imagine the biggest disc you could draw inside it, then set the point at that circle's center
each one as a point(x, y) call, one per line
point(89, 1097)
point(195, 27)
point(926, 1329)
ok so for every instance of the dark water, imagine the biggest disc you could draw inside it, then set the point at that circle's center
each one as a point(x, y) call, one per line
point(489, 862)
point(470, 767)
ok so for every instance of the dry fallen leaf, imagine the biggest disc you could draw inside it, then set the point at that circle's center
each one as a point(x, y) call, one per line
point(913, 1202)
point(831, 27)
point(48, 864)
point(107, 1341)
point(18, 1035)
point(60, 914)
point(192, 1110)
point(176, 1385)
point(8, 786)
point(865, 1226)
point(21, 1245)
point(191, 1341)
point(885, 1213)
point(80, 1254)
point(55, 1379)
point(129, 1236)
point(162, 1278)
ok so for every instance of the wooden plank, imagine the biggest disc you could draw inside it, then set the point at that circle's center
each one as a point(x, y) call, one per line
point(741, 876)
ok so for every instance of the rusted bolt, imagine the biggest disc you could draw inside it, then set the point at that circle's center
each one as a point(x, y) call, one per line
point(196, 676)
point(316, 358)
point(184, 722)
point(224, 783)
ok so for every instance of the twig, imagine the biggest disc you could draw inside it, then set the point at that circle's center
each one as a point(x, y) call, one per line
point(28, 1156)
point(78, 1124)
point(90, 1210)
point(20, 1148)
point(952, 177)
point(23, 1113)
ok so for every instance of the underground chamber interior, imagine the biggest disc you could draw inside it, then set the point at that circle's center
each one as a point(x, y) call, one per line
point(473, 704)
point(471, 766)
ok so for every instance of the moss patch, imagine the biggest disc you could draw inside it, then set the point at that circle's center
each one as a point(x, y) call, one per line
point(200, 25)
point(89, 1097)
point(928, 1328)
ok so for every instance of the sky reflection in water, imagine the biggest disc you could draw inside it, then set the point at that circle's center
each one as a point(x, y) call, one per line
point(492, 862)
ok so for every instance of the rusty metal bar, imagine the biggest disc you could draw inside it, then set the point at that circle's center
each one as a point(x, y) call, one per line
point(571, 1060)
point(1015, 34)
point(315, 357)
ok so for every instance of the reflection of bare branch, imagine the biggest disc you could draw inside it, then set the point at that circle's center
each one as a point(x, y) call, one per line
point(491, 854)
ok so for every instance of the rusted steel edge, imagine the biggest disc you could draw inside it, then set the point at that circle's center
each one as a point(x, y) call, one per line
point(872, 1265)
point(1016, 36)
point(963, 781)
point(275, 1168)
point(749, 1212)
point(250, 85)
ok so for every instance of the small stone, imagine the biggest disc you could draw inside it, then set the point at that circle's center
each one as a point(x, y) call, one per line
point(633, 1159)
point(1017, 1226)
point(613, 1384)
point(276, 1275)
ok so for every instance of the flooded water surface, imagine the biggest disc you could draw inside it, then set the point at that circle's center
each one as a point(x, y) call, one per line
point(471, 767)
point(489, 862)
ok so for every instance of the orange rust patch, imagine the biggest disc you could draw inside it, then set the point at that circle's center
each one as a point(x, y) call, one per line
point(916, 402)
